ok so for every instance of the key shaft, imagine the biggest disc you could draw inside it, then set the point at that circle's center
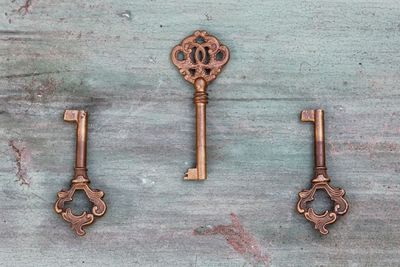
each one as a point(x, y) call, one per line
point(200, 101)
point(80, 117)
point(317, 118)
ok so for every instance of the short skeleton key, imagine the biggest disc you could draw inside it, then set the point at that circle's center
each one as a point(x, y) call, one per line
point(200, 58)
point(80, 180)
point(321, 179)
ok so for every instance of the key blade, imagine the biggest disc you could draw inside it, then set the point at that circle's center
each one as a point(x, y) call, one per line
point(308, 115)
point(71, 115)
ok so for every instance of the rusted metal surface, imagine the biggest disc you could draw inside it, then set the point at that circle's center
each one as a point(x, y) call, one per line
point(80, 180)
point(321, 179)
point(200, 58)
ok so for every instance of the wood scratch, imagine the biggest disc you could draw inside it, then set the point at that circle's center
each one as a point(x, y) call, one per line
point(25, 7)
point(208, 17)
point(22, 159)
point(310, 66)
point(238, 238)
point(12, 76)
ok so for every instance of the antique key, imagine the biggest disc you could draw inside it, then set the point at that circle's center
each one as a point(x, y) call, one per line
point(80, 180)
point(200, 58)
point(321, 179)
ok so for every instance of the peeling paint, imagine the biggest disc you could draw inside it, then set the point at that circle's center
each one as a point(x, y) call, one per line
point(126, 14)
point(40, 91)
point(22, 160)
point(147, 182)
point(25, 7)
point(238, 238)
point(208, 17)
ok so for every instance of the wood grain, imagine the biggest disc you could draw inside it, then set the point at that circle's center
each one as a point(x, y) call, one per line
point(112, 58)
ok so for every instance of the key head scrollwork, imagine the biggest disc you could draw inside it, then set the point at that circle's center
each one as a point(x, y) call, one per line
point(84, 219)
point(341, 205)
point(200, 56)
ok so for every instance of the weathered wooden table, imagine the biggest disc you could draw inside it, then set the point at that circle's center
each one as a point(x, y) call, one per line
point(112, 58)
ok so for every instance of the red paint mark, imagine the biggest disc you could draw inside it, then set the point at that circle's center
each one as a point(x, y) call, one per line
point(25, 8)
point(22, 159)
point(238, 238)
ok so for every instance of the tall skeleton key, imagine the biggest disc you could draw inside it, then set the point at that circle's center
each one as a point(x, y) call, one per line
point(321, 179)
point(80, 180)
point(200, 58)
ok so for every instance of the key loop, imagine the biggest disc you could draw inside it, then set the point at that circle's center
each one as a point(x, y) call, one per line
point(78, 221)
point(80, 180)
point(200, 55)
point(321, 179)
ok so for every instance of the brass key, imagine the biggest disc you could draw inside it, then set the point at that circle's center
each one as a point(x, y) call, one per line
point(80, 180)
point(321, 179)
point(200, 58)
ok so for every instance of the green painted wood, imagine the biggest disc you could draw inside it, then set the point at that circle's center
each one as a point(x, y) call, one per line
point(112, 58)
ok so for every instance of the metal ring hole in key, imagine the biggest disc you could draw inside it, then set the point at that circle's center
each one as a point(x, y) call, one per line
point(200, 57)
point(321, 202)
point(80, 203)
point(180, 56)
point(80, 181)
point(321, 180)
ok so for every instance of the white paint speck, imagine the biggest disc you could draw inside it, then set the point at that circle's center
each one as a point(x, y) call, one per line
point(126, 14)
point(147, 182)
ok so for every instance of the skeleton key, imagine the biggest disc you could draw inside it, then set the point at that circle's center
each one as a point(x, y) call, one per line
point(80, 180)
point(321, 179)
point(200, 58)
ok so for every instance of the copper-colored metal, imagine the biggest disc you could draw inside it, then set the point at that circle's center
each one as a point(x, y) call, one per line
point(80, 180)
point(200, 58)
point(321, 179)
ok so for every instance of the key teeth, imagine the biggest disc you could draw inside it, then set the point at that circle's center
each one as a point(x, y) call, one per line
point(192, 175)
point(71, 115)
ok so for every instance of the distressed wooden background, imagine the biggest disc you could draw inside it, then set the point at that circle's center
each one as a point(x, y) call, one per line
point(111, 57)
